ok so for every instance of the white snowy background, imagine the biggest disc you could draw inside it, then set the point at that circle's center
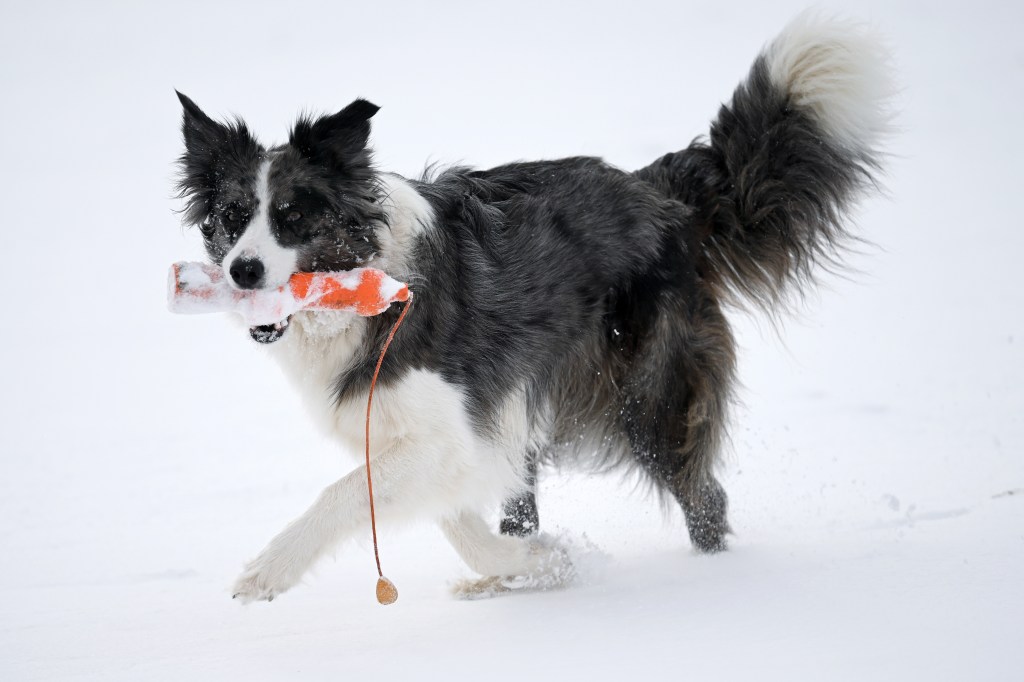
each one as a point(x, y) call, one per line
point(875, 471)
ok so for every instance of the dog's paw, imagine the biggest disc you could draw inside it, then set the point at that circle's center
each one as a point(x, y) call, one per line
point(264, 579)
point(480, 588)
point(498, 586)
point(550, 567)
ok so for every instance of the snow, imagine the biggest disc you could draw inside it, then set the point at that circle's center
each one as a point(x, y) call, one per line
point(875, 471)
point(389, 288)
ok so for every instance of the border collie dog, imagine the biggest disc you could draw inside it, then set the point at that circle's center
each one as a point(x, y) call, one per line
point(564, 310)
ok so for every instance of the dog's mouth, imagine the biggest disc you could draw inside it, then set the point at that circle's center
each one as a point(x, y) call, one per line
point(269, 333)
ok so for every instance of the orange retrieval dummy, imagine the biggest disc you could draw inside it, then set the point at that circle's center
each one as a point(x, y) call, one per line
point(202, 288)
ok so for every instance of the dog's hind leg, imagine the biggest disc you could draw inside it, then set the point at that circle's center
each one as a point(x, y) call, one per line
point(519, 513)
point(675, 409)
point(706, 509)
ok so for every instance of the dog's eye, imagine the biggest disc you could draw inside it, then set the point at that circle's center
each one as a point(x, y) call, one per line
point(293, 217)
point(233, 219)
point(207, 228)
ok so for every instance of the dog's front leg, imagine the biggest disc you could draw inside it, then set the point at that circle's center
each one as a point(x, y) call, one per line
point(404, 476)
point(495, 555)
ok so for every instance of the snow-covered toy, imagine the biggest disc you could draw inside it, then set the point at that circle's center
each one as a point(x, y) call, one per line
point(202, 288)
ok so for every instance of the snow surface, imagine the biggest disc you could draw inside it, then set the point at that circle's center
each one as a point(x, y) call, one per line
point(875, 473)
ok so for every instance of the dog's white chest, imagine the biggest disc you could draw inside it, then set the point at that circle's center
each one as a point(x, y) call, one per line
point(317, 349)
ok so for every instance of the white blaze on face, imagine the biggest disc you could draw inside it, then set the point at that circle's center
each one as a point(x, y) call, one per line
point(258, 241)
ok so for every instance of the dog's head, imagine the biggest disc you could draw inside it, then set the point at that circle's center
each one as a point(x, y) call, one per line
point(313, 204)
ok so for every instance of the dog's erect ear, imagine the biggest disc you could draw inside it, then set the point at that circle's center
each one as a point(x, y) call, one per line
point(338, 140)
point(211, 150)
point(203, 135)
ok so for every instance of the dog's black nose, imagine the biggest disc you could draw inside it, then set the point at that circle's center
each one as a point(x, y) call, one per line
point(247, 272)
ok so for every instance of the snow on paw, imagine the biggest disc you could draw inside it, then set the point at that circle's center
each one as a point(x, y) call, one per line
point(552, 565)
point(550, 568)
point(480, 588)
point(499, 586)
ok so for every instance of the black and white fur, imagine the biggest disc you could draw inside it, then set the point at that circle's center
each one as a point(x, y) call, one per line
point(563, 309)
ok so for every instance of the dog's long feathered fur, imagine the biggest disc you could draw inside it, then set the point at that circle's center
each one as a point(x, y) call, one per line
point(562, 308)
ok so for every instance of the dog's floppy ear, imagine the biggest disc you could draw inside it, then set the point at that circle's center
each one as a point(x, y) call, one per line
point(338, 140)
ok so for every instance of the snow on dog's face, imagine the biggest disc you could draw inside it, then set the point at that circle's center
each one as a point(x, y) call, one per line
point(310, 205)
